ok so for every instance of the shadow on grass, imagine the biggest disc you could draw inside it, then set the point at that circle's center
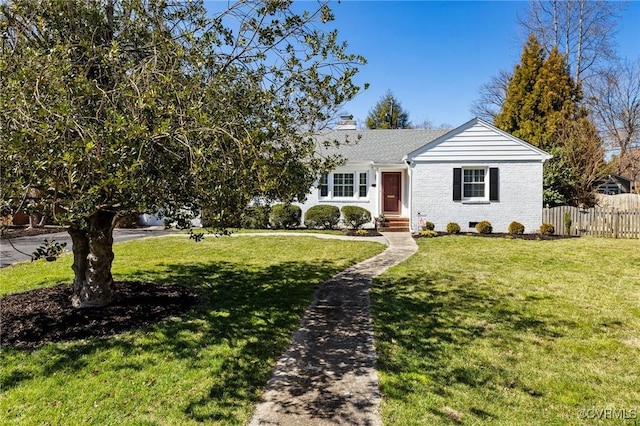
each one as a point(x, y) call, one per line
point(425, 321)
point(250, 311)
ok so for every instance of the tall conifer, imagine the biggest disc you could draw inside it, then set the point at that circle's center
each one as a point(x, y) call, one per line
point(541, 98)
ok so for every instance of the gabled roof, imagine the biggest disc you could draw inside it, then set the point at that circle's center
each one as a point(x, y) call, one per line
point(478, 140)
point(378, 146)
point(397, 145)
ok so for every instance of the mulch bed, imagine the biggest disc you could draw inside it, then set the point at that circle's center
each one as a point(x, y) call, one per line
point(503, 235)
point(29, 319)
point(370, 233)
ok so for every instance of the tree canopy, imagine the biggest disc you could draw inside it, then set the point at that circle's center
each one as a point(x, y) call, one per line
point(116, 106)
point(388, 114)
point(542, 107)
point(540, 94)
point(582, 30)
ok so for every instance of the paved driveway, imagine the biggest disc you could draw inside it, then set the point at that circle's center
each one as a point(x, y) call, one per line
point(14, 251)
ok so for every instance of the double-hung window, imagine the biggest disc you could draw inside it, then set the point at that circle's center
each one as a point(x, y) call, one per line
point(473, 183)
point(362, 187)
point(343, 184)
point(476, 184)
point(323, 185)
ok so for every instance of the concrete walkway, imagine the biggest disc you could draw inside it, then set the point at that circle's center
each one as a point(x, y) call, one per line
point(328, 375)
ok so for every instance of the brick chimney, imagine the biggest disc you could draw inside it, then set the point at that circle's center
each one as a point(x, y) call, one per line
point(346, 122)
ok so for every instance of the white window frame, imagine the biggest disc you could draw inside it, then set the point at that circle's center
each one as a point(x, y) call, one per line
point(346, 188)
point(355, 186)
point(323, 183)
point(363, 185)
point(485, 183)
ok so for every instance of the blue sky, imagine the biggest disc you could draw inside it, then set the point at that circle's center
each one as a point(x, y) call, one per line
point(435, 55)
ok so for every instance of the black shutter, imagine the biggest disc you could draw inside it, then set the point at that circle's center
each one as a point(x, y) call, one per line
point(494, 184)
point(457, 184)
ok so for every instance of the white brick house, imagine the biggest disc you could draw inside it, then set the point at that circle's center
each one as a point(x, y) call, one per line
point(472, 173)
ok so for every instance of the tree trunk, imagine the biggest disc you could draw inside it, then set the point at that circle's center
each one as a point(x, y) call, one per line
point(92, 259)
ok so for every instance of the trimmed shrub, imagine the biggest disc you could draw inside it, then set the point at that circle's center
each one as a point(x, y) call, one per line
point(285, 216)
point(428, 233)
point(324, 217)
point(255, 217)
point(428, 226)
point(355, 216)
point(453, 228)
point(516, 228)
point(547, 229)
point(484, 227)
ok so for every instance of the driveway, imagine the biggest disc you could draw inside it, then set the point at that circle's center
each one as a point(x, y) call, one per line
point(18, 249)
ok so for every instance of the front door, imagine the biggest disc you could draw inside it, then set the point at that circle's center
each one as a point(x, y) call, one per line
point(391, 192)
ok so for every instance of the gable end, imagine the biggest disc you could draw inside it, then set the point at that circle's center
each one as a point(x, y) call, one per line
point(477, 140)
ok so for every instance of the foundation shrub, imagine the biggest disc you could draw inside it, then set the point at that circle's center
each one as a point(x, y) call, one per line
point(285, 216)
point(484, 227)
point(255, 217)
point(322, 217)
point(547, 229)
point(516, 228)
point(453, 228)
point(428, 226)
point(355, 216)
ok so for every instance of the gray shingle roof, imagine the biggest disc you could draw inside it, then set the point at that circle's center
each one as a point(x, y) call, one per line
point(379, 146)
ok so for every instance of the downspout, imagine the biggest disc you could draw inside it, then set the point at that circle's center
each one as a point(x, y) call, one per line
point(378, 192)
point(410, 194)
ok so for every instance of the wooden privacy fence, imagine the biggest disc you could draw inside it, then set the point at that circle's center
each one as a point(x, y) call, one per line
point(596, 221)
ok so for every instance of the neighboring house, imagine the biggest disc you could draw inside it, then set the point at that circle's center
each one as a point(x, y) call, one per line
point(466, 175)
point(614, 184)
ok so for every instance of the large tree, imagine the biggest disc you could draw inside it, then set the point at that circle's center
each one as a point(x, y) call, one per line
point(540, 94)
point(492, 96)
point(117, 106)
point(388, 114)
point(582, 158)
point(582, 30)
point(615, 102)
point(542, 107)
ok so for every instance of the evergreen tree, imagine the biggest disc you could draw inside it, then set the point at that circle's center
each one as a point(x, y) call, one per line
point(540, 95)
point(518, 106)
point(388, 114)
point(542, 100)
point(118, 106)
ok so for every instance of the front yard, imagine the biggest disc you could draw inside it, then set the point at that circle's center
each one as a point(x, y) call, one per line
point(209, 366)
point(507, 332)
point(468, 331)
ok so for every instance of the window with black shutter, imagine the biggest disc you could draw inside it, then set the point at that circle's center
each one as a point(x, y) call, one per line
point(457, 184)
point(472, 184)
point(494, 184)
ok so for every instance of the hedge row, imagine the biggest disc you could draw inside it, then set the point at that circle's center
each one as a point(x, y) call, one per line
point(287, 216)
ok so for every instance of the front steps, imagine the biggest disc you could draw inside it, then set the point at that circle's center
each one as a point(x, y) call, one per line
point(395, 224)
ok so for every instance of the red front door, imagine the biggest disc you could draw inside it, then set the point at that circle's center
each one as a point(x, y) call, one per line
point(391, 192)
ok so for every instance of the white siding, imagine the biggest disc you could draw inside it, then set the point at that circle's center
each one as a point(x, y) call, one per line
point(478, 143)
point(520, 189)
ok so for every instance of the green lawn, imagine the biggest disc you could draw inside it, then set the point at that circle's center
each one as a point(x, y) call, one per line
point(510, 332)
point(210, 366)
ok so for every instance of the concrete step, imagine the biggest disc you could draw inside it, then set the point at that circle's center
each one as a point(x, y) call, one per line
point(395, 224)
